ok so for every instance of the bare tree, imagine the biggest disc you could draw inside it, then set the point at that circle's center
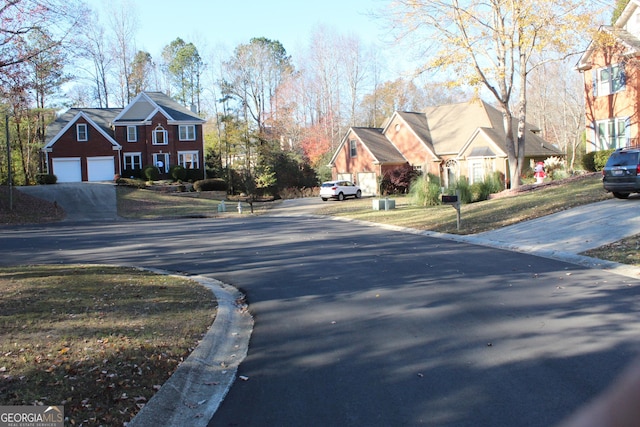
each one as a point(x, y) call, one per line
point(123, 19)
point(94, 49)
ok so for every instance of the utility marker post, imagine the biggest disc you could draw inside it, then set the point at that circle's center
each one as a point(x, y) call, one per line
point(455, 202)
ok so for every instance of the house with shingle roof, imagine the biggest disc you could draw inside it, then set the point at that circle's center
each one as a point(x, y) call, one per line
point(95, 144)
point(449, 141)
point(611, 72)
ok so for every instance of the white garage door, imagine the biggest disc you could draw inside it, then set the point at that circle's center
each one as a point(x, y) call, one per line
point(67, 169)
point(100, 168)
point(368, 184)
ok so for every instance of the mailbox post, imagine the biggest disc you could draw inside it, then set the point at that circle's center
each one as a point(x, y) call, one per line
point(455, 202)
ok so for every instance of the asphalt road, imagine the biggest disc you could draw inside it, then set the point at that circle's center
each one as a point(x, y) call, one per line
point(362, 326)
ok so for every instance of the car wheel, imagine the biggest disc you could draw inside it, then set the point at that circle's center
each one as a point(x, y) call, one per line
point(324, 199)
point(340, 196)
point(358, 194)
point(620, 195)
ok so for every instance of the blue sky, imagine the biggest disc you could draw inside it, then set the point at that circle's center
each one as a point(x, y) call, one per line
point(229, 23)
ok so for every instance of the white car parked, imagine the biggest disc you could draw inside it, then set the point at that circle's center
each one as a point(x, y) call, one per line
point(339, 190)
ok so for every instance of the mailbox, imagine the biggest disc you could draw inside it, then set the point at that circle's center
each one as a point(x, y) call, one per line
point(449, 199)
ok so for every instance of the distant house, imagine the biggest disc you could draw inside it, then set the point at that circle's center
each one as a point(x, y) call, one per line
point(449, 141)
point(94, 144)
point(611, 70)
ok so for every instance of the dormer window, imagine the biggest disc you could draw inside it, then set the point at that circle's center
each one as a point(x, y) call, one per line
point(82, 134)
point(160, 136)
point(187, 132)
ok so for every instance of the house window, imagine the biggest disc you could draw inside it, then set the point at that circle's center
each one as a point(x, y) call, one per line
point(612, 133)
point(132, 134)
point(187, 132)
point(82, 134)
point(160, 136)
point(352, 148)
point(476, 169)
point(132, 161)
point(609, 80)
point(188, 159)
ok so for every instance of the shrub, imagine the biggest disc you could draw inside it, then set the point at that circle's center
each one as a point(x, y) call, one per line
point(212, 184)
point(464, 189)
point(398, 180)
point(46, 178)
point(554, 166)
point(425, 191)
point(194, 175)
point(589, 162)
point(151, 173)
point(178, 173)
point(600, 158)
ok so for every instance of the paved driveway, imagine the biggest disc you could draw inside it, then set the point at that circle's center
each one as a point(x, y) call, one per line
point(82, 201)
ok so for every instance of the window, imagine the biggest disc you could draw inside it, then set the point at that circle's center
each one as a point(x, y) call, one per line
point(187, 132)
point(352, 148)
point(82, 133)
point(188, 159)
point(132, 134)
point(612, 133)
point(477, 171)
point(132, 161)
point(160, 136)
point(609, 80)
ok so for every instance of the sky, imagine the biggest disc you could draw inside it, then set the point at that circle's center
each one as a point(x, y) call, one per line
point(228, 23)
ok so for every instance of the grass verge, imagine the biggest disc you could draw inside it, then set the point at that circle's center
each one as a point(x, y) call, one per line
point(480, 216)
point(98, 340)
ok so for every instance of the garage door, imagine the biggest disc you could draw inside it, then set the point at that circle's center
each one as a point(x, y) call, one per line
point(368, 184)
point(100, 168)
point(67, 169)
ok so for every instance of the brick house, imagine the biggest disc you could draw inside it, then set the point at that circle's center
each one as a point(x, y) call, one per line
point(610, 69)
point(94, 144)
point(449, 141)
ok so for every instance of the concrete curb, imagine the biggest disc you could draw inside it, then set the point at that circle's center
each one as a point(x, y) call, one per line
point(191, 396)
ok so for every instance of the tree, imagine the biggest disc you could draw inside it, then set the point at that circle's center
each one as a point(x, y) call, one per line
point(494, 46)
point(252, 77)
point(184, 66)
point(94, 49)
point(124, 23)
point(141, 73)
point(20, 20)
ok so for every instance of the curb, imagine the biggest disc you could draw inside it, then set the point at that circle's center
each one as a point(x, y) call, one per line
point(191, 396)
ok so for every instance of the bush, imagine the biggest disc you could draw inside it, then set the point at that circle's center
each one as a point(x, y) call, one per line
point(46, 178)
point(600, 158)
point(589, 162)
point(151, 173)
point(178, 173)
point(194, 175)
point(425, 191)
point(213, 184)
point(464, 189)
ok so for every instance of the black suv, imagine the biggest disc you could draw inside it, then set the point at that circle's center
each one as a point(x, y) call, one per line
point(621, 174)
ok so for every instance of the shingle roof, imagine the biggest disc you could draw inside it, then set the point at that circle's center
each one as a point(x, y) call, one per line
point(147, 102)
point(379, 146)
point(100, 116)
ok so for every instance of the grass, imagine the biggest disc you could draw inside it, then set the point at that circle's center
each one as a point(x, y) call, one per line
point(98, 340)
point(481, 216)
point(136, 203)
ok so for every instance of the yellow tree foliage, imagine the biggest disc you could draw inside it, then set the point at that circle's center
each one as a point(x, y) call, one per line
point(493, 45)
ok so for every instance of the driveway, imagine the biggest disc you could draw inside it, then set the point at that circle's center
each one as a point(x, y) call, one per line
point(81, 201)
